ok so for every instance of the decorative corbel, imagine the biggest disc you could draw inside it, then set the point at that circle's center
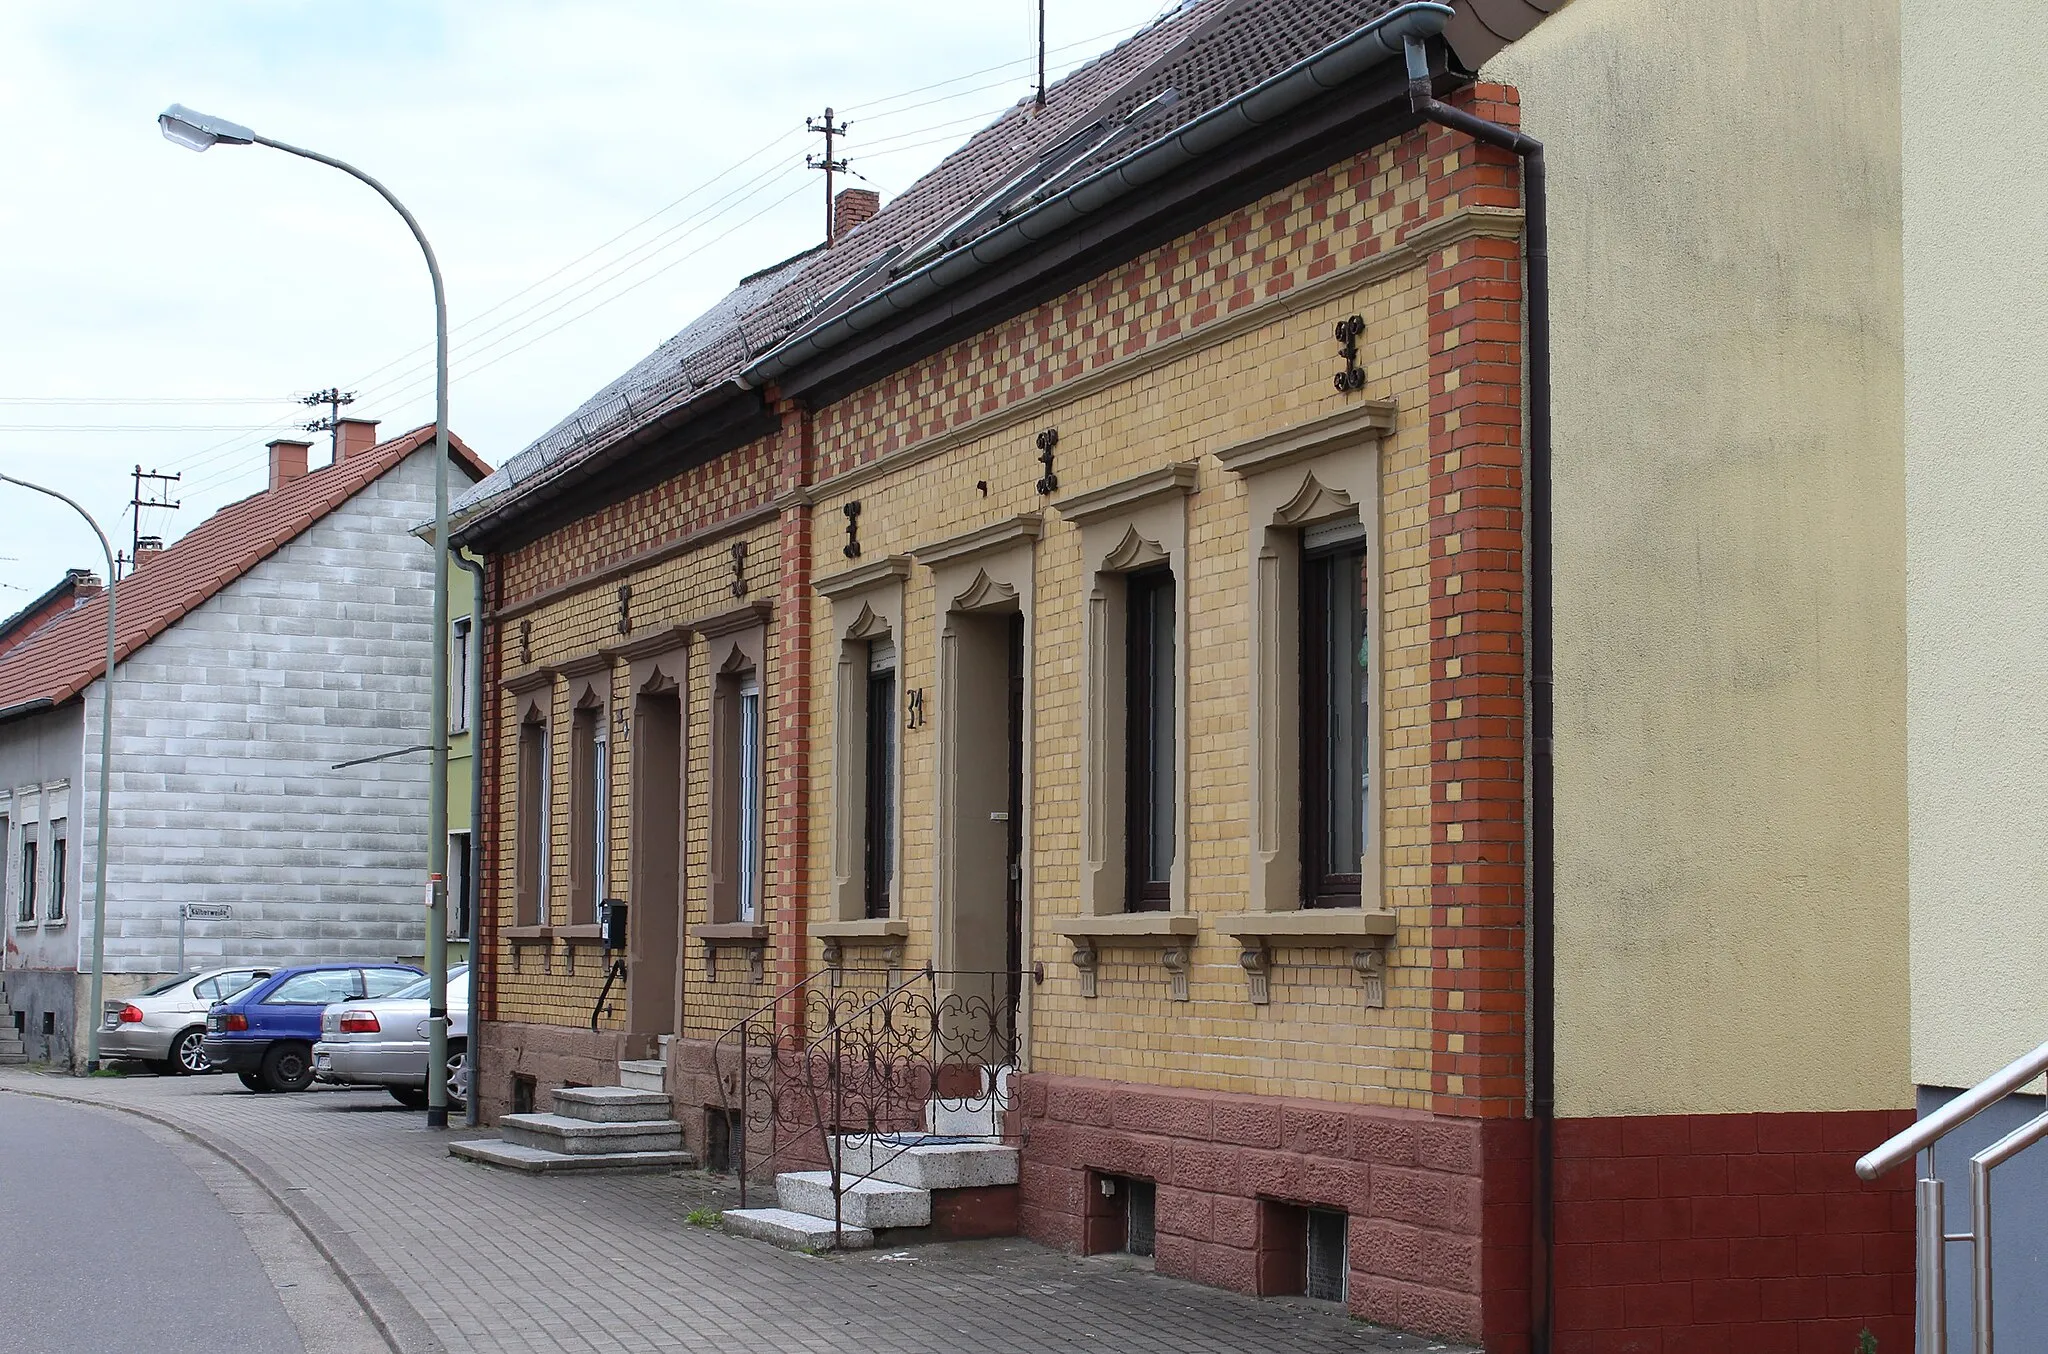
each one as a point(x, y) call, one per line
point(1174, 959)
point(1371, 964)
point(835, 956)
point(892, 958)
point(757, 963)
point(568, 957)
point(1257, 962)
point(1085, 959)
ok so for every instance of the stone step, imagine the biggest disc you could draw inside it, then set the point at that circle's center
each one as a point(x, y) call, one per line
point(560, 1133)
point(537, 1161)
point(644, 1074)
point(927, 1161)
point(15, 1057)
point(610, 1104)
point(863, 1203)
point(974, 1117)
point(795, 1231)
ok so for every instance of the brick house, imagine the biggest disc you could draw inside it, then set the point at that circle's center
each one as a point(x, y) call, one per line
point(1103, 574)
point(286, 633)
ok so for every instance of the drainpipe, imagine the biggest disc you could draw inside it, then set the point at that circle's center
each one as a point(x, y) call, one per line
point(472, 1107)
point(1542, 836)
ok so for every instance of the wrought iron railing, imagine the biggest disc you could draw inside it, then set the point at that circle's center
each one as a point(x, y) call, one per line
point(1932, 1237)
point(850, 1068)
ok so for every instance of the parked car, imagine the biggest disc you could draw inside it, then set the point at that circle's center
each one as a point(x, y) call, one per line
point(165, 1025)
point(265, 1034)
point(383, 1042)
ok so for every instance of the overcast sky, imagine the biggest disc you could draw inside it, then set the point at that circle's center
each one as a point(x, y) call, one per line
point(164, 309)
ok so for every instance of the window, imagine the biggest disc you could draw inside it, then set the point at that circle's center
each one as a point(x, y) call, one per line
point(530, 864)
point(382, 982)
point(27, 906)
point(1334, 715)
point(586, 810)
point(458, 885)
point(880, 871)
point(60, 850)
point(458, 675)
point(6, 857)
point(1150, 802)
point(748, 799)
point(317, 988)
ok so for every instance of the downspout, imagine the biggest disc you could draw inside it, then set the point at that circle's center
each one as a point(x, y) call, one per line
point(472, 1106)
point(1542, 837)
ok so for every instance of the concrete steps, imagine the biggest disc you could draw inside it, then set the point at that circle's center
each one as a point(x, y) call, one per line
point(796, 1231)
point(644, 1074)
point(592, 1128)
point(12, 1050)
point(929, 1161)
point(862, 1203)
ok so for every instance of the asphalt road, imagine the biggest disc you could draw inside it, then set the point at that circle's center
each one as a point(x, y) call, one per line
point(109, 1243)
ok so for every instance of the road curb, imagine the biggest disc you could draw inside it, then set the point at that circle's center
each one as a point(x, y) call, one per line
point(403, 1329)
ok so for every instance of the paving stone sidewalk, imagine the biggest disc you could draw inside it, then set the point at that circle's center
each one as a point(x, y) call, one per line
point(473, 1259)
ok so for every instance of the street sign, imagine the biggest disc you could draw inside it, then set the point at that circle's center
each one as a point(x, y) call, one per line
point(206, 912)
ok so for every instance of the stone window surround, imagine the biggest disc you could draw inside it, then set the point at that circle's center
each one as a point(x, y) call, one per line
point(867, 604)
point(1325, 469)
point(589, 687)
point(532, 693)
point(26, 810)
point(1136, 523)
point(990, 570)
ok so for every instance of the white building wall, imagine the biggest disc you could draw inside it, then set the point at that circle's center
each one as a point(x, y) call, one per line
point(227, 730)
point(1976, 216)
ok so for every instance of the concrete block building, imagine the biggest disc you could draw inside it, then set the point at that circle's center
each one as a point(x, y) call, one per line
point(286, 634)
point(1113, 580)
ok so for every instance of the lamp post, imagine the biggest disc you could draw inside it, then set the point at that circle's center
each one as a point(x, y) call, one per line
point(198, 131)
point(99, 861)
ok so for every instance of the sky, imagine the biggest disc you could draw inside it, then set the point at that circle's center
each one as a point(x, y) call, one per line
point(591, 176)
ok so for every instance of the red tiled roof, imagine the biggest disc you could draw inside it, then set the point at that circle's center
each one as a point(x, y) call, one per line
point(65, 656)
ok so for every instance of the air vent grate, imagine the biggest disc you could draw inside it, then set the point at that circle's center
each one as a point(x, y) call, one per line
point(1140, 1197)
point(1328, 1262)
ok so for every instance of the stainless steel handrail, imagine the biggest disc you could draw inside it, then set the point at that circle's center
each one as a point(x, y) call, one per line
point(1931, 1237)
point(1900, 1147)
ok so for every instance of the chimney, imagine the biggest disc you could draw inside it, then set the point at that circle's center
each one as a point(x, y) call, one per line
point(146, 548)
point(852, 207)
point(287, 460)
point(353, 437)
point(85, 585)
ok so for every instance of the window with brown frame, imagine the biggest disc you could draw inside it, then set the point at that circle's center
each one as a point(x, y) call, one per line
point(530, 845)
point(586, 810)
point(1149, 741)
point(880, 827)
point(737, 845)
point(1334, 714)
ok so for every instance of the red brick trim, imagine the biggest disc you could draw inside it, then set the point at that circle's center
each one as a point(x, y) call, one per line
point(1751, 1232)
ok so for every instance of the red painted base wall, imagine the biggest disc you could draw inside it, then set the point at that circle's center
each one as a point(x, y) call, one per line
point(1731, 1234)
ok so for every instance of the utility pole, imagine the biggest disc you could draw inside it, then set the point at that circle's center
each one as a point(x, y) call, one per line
point(1041, 53)
point(832, 131)
point(333, 397)
point(160, 483)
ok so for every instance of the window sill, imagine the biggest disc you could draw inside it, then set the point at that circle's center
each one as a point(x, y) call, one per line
point(29, 925)
point(1308, 924)
point(1129, 926)
point(589, 931)
point(731, 933)
point(863, 928)
point(528, 933)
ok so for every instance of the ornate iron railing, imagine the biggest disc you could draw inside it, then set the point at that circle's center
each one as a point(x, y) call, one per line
point(848, 1069)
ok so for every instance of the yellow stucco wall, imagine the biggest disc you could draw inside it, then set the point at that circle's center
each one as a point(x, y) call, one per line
point(1730, 552)
point(1976, 196)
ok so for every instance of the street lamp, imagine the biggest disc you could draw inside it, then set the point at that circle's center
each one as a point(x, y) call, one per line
point(99, 863)
point(199, 131)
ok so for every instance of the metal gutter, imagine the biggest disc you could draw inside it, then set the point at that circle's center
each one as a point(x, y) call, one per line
point(472, 1106)
point(27, 707)
point(1257, 107)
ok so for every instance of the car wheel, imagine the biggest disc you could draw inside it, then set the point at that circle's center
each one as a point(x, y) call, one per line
point(187, 1058)
point(288, 1067)
point(458, 1074)
point(412, 1097)
point(253, 1080)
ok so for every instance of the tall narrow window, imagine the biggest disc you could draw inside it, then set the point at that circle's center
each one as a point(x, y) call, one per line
point(1149, 776)
point(458, 885)
point(1334, 714)
point(530, 867)
point(748, 764)
point(59, 867)
point(458, 675)
point(881, 778)
point(586, 731)
point(28, 875)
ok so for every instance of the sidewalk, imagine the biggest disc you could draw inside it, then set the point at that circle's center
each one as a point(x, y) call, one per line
point(464, 1258)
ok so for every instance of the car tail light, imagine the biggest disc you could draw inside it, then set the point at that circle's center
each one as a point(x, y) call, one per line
point(131, 1015)
point(235, 1021)
point(359, 1022)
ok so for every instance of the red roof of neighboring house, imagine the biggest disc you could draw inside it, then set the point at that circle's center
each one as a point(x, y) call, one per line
point(68, 654)
point(22, 626)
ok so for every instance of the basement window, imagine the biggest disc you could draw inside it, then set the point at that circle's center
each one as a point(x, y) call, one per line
point(1328, 1262)
point(1141, 1198)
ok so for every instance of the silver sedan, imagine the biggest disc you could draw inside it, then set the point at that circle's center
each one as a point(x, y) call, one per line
point(383, 1042)
point(164, 1025)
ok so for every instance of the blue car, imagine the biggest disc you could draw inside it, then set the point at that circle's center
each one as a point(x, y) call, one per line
point(265, 1033)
